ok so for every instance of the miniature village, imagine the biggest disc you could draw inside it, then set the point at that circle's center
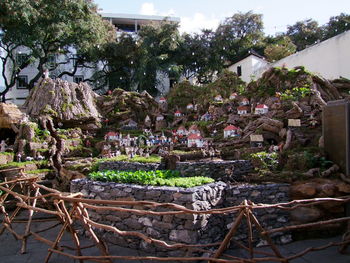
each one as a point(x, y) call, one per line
point(274, 122)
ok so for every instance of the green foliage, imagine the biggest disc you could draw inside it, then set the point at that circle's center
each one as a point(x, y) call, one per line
point(296, 93)
point(125, 158)
point(7, 153)
point(158, 177)
point(268, 160)
point(317, 161)
point(39, 171)
point(47, 28)
point(238, 34)
point(282, 47)
point(184, 93)
point(291, 84)
point(336, 25)
point(43, 163)
point(304, 33)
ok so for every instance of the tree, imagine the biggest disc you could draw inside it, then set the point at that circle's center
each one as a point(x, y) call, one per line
point(46, 28)
point(197, 56)
point(337, 25)
point(281, 47)
point(238, 34)
point(305, 33)
point(157, 45)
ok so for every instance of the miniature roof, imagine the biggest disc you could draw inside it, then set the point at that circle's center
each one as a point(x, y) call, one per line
point(111, 133)
point(230, 128)
point(245, 99)
point(162, 99)
point(261, 106)
point(160, 115)
point(177, 112)
point(234, 94)
point(194, 137)
point(190, 104)
point(181, 128)
point(194, 127)
point(243, 108)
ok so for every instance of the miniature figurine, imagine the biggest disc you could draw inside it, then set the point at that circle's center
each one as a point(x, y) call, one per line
point(3, 146)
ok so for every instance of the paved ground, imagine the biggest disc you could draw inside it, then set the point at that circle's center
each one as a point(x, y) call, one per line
point(37, 251)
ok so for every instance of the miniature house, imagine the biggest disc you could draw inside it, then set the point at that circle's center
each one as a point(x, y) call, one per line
point(148, 121)
point(230, 131)
point(261, 109)
point(162, 100)
point(218, 98)
point(181, 131)
point(242, 110)
point(129, 125)
point(195, 140)
point(160, 117)
point(244, 102)
point(206, 117)
point(111, 136)
point(256, 140)
point(178, 113)
point(194, 130)
point(189, 106)
point(233, 96)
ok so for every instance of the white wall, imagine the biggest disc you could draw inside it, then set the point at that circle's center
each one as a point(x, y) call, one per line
point(330, 58)
point(251, 67)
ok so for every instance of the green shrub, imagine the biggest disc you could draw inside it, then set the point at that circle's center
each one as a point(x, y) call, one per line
point(158, 177)
point(267, 160)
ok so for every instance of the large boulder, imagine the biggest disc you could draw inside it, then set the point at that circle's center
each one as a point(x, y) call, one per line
point(9, 115)
point(68, 103)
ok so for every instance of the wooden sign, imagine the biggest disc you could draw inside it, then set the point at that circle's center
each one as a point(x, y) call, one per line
point(256, 138)
point(294, 122)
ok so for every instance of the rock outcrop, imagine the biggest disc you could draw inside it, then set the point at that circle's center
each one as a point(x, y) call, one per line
point(121, 105)
point(67, 103)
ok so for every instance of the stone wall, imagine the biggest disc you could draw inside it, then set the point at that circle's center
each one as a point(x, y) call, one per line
point(222, 170)
point(190, 229)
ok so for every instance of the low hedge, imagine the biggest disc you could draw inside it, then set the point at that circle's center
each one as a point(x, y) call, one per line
point(156, 178)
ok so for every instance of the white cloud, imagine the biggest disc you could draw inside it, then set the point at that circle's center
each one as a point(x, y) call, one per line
point(170, 12)
point(148, 9)
point(197, 22)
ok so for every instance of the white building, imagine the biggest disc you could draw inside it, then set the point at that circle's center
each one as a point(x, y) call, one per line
point(249, 67)
point(241, 110)
point(123, 23)
point(329, 59)
point(230, 131)
point(181, 131)
point(261, 109)
point(195, 140)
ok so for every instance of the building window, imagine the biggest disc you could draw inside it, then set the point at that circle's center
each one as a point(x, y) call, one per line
point(78, 79)
point(21, 58)
point(75, 61)
point(22, 82)
point(239, 71)
point(51, 61)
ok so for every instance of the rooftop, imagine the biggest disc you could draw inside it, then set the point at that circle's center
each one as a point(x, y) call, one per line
point(142, 19)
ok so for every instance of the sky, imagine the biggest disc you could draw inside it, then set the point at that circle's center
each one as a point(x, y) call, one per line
point(198, 14)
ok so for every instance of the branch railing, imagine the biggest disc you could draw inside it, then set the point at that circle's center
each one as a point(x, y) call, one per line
point(67, 209)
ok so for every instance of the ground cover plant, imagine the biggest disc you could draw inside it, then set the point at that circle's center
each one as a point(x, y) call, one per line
point(157, 178)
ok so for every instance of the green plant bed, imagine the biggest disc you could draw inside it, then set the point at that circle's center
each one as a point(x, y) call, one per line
point(137, 158)
point(43, 163)
point(156, 178)
point(39, 171)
